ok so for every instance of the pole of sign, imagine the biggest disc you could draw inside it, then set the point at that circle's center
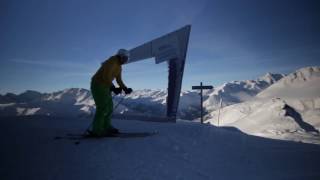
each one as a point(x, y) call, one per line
point(220, 104)
point(201, 102)
point(201, 87)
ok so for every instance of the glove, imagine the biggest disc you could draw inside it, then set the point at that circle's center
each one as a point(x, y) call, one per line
point(127, 90)
point(115, 90)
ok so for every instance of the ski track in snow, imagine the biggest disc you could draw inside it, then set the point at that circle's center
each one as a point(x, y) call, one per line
point(184, 150)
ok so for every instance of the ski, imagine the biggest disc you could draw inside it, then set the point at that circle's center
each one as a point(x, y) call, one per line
point(79, 137)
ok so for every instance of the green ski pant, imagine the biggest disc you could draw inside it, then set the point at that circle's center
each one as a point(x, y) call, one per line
point(104, 107)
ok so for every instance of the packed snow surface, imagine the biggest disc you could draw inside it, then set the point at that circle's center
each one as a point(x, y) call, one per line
point(182, 150)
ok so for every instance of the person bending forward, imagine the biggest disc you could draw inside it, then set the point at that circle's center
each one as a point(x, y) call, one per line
point(101, 87)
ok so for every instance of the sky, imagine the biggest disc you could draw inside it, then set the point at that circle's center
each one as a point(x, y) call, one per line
point(50, 45)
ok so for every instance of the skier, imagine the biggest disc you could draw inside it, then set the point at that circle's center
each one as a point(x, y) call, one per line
point(101, 87)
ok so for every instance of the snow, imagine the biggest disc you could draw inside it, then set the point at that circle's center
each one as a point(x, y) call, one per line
point(288, 109)
point(27, 111)
point(2, 106)
point(271, 78)
point(270, 118)
point(184, 150)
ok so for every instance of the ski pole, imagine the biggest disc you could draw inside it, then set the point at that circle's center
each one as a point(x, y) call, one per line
point(115, 107)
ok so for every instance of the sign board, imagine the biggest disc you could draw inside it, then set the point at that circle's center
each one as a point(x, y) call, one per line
point(164, 48)
point(202, 87)
point(171, 48)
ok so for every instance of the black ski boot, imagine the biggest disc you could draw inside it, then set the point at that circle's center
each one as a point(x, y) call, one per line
point(114, 130)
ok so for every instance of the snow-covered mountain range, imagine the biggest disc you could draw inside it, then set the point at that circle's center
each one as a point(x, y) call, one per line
point(79, 102)
point(69, 102)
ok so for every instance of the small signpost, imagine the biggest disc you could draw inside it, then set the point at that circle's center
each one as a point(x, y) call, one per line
point(201, 87)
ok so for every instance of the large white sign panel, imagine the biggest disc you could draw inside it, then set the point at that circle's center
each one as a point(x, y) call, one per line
point(171, 48)
point(167, 47)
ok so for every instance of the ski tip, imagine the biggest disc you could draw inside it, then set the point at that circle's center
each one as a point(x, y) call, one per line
point(57, 137)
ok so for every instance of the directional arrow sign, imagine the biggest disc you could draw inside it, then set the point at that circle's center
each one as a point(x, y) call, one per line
point(202, 87)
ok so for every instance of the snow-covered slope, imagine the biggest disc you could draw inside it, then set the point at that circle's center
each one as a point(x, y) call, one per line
point(288, 109)
point(302, 84)
point(182, 150)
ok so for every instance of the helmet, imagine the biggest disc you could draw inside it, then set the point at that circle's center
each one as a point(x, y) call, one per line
point(123, 52)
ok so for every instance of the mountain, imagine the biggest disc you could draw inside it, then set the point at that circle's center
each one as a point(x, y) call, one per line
point(25, 97)
point(79, 102)
point(304, 83)
point(239, 91)
point(288, 109)
point(69, 102)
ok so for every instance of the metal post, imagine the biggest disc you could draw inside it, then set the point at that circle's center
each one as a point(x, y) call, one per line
point(220, 104)
point(201, 101)
point(201, 87)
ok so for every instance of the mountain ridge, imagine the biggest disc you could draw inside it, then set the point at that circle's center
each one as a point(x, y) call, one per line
point(146, 101)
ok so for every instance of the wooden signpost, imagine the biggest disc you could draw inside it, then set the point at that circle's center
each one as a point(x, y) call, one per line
point(201, 87)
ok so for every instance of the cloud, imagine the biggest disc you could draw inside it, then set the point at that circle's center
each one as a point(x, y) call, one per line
point(53, 63)
point(76, 74)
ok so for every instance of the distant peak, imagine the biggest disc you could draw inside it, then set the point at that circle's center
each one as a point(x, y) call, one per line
point(271, 77)
point(73, 90)
point(30, 92)
point(305, 74)
point(309, 69)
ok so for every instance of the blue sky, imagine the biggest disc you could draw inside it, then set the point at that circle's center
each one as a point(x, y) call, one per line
point(52, 45)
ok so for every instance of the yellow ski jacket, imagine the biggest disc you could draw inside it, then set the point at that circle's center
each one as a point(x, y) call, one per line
point(109, 70)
